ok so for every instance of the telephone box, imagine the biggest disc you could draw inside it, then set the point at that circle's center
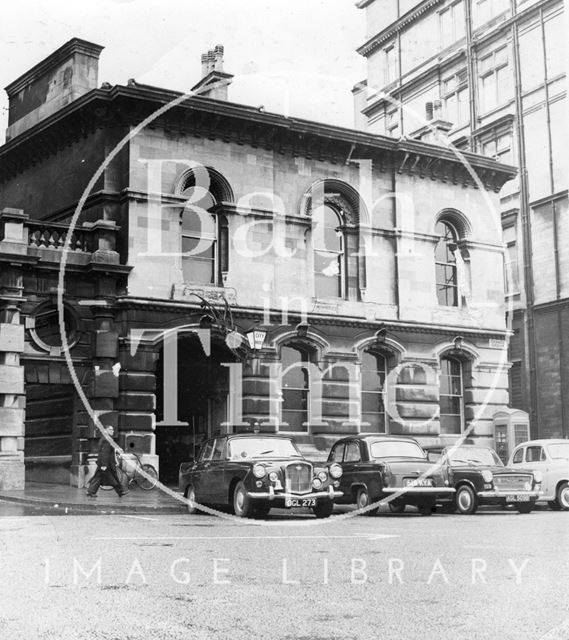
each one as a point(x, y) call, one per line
point(511, 428)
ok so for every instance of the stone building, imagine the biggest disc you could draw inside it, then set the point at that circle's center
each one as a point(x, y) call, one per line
point(490, 76)
point(223, 268)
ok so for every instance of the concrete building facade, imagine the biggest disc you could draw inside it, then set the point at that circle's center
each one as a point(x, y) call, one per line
point(489, 76)
point(186, 224)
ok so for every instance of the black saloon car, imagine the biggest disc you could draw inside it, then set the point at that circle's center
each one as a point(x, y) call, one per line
point(480, 477)
point(252, 473)
point(393, 467)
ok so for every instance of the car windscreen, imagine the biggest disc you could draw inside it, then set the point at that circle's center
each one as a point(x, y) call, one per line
point(247, 448)
point(396, 449)
point(479, 456)
point(559, 450)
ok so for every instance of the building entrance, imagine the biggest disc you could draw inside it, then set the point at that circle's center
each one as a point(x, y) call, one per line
point(202, 403)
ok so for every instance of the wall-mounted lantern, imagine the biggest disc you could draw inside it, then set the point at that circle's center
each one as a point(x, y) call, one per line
point(256, 338)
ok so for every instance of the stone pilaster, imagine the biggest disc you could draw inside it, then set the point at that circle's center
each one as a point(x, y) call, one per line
point(136, 404)
point(13, 244)
point(414, 400)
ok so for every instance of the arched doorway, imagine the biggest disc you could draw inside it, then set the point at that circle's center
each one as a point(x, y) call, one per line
point(203, 385)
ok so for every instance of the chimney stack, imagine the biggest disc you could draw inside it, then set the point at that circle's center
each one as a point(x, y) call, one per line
point(218, 55)
point(62, 77)
point(214, 81)
point(205, 69)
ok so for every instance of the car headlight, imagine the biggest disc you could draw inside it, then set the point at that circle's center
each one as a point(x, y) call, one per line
point(259, 471)
point(538, 477)
point(317, 483)
point(335, 470)
point(323, 476)
point(273, 476)
point(487, 476)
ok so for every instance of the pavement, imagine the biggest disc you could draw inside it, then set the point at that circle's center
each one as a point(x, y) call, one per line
point(71, 500)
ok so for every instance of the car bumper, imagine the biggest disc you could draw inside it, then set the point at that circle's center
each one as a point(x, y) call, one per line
point(271, 495)
point(419, 491)
point(504, 495)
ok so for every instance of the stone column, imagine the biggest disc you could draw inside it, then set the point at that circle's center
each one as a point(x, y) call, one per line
point(13, 245)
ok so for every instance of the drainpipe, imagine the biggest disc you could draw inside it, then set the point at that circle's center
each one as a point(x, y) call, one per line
point(554, 216)
point(529, 325)
point(400, 73)
point(471, 73)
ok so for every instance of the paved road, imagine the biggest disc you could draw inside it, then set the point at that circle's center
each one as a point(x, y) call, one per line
point(493, 575)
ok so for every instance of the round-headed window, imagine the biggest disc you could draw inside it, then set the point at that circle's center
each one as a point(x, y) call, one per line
point(46, 330)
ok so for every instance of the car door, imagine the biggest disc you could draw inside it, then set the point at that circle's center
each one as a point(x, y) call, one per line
point(198, 475)
point(351, 466)
point(535, 459)
point(214, 474)
point(211, 481)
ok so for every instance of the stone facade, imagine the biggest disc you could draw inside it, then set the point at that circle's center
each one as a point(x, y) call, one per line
point(160, 350)
point(491, 77)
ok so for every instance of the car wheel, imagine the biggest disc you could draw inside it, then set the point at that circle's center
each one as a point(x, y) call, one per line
point(562, 496)
point(466, 502)
point(191, 505)
point(426, 509)
point(525, 507)
point(241, 502)
point(397, 507)
point(553, 505)
point(323, 508)
point(362, 501)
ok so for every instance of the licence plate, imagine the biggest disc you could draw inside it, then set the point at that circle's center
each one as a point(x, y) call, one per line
point(517, 498)
point(300, 502)
point(425, 482)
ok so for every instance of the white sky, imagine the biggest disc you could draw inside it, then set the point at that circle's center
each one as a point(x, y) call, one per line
point(293, 56)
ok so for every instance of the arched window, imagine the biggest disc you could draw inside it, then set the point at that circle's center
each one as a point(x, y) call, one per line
point(445, 264)
point(451, 396)
point(205, 236)
point(373, 374)
point(329, 253)
point(295, 387)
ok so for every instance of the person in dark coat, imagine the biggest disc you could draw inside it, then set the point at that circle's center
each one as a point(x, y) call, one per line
point(106, 472)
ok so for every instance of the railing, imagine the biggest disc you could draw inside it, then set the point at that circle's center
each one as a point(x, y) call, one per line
point(53, 235)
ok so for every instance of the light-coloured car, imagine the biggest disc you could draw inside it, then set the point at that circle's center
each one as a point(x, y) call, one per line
point(551, 457)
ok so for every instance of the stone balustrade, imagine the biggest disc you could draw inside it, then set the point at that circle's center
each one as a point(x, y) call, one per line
point(52, 235)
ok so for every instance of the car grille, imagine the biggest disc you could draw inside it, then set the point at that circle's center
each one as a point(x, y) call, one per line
point(298, 477)
point(514, 482)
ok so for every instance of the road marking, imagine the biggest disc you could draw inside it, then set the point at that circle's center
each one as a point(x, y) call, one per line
point(141, 518)
point(368, 536)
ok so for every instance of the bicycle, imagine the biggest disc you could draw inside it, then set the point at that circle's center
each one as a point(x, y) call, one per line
point(129, 468)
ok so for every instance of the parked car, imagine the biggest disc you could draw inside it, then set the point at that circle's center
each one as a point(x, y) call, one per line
point(551, 459)
point(252, 473)
point(378, 467)
point(480, 477)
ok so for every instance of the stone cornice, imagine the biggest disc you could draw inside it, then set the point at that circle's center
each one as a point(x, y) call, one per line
point(314, 319)
point(377, 40)
point(124, 107)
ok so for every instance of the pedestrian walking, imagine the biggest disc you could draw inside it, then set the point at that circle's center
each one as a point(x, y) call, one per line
point(106, 472)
